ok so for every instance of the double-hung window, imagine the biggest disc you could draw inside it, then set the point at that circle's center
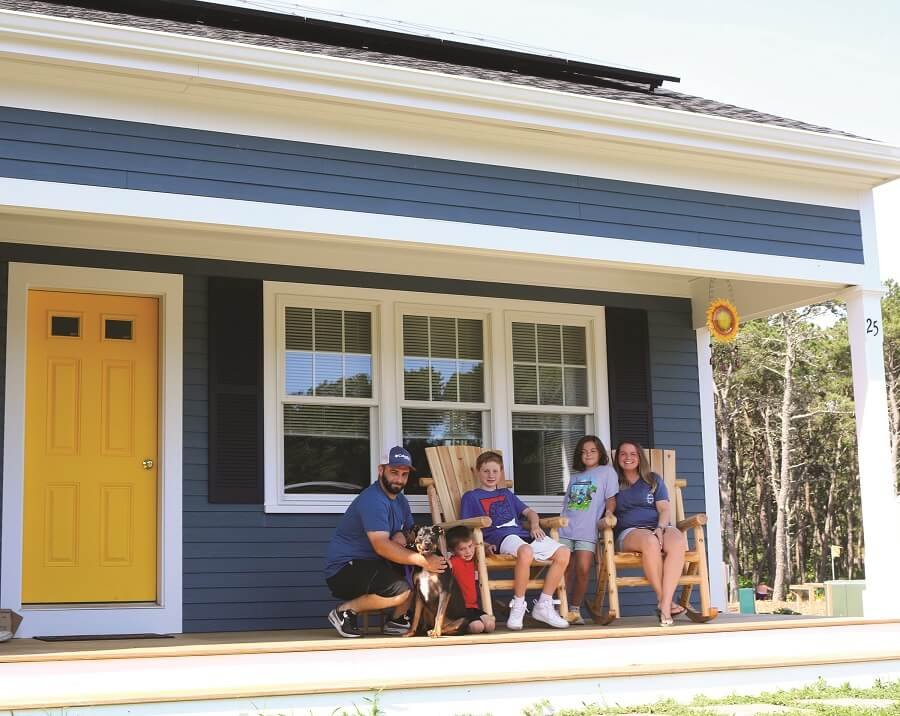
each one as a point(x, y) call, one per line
point(444, 397)
point(352, 371)
point(327, 391)
point(551, 409)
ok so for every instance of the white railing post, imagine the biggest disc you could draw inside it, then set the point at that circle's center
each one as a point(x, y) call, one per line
point(881, 530)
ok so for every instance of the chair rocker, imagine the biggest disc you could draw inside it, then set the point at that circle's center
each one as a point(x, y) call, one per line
point(609, 562)
point(453, 474)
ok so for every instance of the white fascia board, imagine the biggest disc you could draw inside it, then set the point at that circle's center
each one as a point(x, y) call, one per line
point(202, 61)
point(24, 196)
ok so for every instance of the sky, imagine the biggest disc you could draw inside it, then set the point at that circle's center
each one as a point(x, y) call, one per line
point(829, 62)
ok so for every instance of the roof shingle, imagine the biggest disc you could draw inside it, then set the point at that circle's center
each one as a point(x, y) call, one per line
point(618, 90)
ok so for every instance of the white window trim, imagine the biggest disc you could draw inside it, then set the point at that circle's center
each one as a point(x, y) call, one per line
point(284, 301)
point(164, 616)
point(387, 354)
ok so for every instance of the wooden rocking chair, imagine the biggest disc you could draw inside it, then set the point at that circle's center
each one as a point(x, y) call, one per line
point(609, 562)
point(452, 474)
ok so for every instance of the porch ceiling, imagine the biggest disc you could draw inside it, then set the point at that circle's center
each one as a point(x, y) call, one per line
point(755, 295)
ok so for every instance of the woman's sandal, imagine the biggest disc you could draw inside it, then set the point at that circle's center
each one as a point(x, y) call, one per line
point(663, 621)
point(677, 611)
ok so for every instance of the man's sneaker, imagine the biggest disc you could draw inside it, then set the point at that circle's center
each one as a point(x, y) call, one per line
point(398, 626)
point(344, 622)
point(546, 612)
point(516, 615)
point(574, 617)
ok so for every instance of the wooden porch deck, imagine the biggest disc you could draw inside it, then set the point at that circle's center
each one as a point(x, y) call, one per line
point(631, 661)
point(310, 640)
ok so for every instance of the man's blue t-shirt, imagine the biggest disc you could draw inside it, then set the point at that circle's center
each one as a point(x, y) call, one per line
point(504, 509)
point(371, 511)
point(636, 505)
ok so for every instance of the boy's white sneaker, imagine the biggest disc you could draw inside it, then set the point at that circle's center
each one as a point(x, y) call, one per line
point(546, 612)
point(516, 615)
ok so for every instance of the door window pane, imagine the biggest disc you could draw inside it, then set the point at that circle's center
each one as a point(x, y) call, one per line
point(66, 326)
point(326, 449)
point(117, 329)
point(542, 451)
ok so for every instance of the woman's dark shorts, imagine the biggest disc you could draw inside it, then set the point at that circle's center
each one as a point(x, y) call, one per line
point(368, 576)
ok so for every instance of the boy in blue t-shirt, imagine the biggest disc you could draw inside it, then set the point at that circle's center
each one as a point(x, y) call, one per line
point(507, 536)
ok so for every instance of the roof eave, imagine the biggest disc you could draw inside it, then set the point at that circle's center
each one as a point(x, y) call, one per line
point(203, 60)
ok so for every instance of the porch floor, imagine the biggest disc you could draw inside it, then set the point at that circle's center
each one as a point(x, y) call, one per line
point(318, 668)
point(309, 640)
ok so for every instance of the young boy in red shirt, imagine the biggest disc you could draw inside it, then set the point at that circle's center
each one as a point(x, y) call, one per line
point(462, 545)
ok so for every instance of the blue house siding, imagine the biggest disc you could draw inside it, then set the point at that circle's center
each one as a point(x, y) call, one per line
point(111, 153)
point(245, 569)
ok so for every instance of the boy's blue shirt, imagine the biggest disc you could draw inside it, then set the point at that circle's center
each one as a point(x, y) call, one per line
point(371, 511)
point(504, 509)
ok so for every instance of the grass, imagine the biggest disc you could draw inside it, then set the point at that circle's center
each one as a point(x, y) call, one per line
point(792, 699)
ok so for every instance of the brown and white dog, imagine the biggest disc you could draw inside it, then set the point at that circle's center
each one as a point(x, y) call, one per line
point(432, 593)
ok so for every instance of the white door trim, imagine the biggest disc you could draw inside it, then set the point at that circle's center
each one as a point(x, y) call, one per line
point(164, 616)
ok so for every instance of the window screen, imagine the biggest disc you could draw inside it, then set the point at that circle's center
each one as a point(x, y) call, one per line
point(542, 451)
point(328, 353)
point(443, 359)
point(326, 449)
point(549, 364)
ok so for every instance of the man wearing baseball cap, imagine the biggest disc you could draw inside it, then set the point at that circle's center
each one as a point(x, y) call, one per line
point(365, 558)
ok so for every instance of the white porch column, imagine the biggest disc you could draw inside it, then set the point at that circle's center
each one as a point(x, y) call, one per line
point(881, 525)
point(717, 589)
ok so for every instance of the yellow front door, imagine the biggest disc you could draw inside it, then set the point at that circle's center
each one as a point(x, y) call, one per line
point(91, 490)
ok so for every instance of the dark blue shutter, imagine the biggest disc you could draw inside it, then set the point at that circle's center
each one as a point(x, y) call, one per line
point(235, 391)
point(628, 362)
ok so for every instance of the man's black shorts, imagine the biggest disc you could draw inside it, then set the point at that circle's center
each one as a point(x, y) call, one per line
point(368, 576)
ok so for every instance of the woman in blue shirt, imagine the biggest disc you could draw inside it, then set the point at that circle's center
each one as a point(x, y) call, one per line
point(644, 525)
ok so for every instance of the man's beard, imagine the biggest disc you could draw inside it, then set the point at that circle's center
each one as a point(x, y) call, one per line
point(388, 487)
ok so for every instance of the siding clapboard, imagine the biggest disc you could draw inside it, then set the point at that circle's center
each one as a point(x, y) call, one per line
point(112, 153)
point(244, 569)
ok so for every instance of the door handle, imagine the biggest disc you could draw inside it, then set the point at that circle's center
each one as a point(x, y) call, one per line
point(147, 464)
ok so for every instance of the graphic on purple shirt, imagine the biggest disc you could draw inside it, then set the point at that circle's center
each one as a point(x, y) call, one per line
point(504, 509)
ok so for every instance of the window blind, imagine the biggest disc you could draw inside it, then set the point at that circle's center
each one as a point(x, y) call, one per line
point(328, 352)
point(549, 364)
point(443, 359)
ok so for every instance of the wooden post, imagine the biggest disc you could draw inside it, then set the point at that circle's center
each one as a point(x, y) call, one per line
point(483, 585)
point(700, 546)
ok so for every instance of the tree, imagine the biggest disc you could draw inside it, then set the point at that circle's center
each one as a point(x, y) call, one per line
point(890, 309)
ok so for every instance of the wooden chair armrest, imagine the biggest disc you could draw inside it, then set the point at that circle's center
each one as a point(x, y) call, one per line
point(473, 522)
point(549, 523)
point(697, 520)
point(426, 481)
point(607, 522)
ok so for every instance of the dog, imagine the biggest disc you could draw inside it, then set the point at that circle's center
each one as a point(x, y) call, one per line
point(433, 594)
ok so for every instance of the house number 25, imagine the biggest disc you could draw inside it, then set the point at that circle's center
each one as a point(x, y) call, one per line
point(872, 328)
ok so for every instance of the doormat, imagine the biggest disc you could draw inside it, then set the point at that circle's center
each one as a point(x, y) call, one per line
point(92, 637)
